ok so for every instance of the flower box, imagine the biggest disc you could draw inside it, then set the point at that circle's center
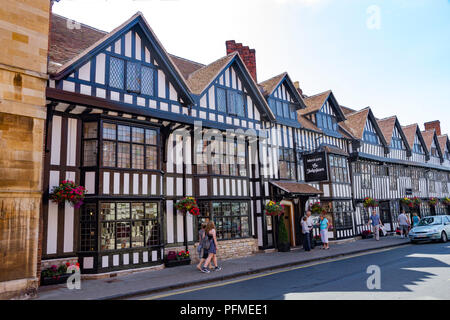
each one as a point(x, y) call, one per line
point(177, 263)
point(366, 234)
point(46, 281)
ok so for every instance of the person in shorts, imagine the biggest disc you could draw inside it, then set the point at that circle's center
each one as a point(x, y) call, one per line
point(324, 224)
point(403, 224)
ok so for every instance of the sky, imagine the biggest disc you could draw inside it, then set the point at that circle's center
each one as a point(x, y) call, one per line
point(391, 55)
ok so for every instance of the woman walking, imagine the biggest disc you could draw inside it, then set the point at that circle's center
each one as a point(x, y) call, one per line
point(202, 252)
point(324, 224)
point(212, 251)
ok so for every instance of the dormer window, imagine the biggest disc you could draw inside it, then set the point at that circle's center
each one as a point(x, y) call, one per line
point(283, 109)
point(230, 101)
point(397, 142)
point(370, 135)
point(326, 118)
point(418, 146)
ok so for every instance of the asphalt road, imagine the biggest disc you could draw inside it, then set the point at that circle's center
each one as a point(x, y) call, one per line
point(408, 272)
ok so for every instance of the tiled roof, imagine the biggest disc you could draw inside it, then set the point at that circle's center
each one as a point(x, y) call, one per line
point(314, 103)
point(67, 42)
point(410, 133)
point(269, 85)
point(387, 127)
point(295, 187)
point(186, 66)
point(443, 141)
point(306, 123)
point(335, 150)
point(347, 110)
point(200, 79)
point(356, 121)
point(428, 138)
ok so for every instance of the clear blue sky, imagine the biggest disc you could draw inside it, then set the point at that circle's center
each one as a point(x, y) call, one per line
point(391, 55)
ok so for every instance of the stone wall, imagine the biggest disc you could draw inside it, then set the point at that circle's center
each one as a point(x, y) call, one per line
point(230, 249)
point(24, 29)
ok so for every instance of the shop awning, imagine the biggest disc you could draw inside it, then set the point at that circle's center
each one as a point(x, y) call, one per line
point(296, 188)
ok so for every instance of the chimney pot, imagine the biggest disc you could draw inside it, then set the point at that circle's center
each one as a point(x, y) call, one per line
point(248, 55)
point(433, 125)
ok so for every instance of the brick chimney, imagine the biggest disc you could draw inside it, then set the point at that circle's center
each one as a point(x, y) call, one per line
point(247, 55)
point(436, 125)
point(297, 86)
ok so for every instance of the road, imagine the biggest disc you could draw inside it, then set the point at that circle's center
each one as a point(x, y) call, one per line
point(408, 272)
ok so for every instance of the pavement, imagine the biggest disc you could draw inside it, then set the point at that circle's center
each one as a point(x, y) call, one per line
point(150, 282)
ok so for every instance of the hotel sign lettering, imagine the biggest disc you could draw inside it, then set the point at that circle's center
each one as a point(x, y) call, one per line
point(315, 166)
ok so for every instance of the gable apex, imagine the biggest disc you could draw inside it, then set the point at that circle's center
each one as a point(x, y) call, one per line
point(109, 40)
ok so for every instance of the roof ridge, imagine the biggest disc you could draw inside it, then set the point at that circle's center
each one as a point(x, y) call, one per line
point(209, 64)
point(318, 94)
point(188, 60)
point(81, 23)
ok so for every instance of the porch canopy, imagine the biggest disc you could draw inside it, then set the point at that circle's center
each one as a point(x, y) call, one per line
point(295, 189)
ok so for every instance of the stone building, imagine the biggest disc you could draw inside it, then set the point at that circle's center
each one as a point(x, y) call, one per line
point(24, 29)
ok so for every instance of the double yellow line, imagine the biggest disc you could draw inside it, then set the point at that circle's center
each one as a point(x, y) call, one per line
point(209, 286)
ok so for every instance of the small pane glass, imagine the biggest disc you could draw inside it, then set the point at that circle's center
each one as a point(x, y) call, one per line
point(151, 211)
point(123, 211)
point(107, 211)
point(109, 154)
point(123, 235)
point(137, 234)
point(109, 131)
point(150, 136)
point(124, 133)
point(137, 211)
point(152, 158)
point(108, 241)
point(123, 156)
point(90, 130)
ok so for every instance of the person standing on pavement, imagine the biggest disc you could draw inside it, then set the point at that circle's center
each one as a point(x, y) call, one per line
point(212, 251)
point(324, 224)
point(306, 237)
point(310, 222)
point(403, 223)
point(415, 220)
point(376, 224)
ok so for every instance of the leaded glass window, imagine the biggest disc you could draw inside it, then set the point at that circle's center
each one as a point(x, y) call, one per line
point(221, 100)
point(148, 81)
point(116, 72)
point(133, 77)
point(126, 225)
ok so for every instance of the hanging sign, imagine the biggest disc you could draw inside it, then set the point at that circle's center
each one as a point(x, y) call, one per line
point(315, 167)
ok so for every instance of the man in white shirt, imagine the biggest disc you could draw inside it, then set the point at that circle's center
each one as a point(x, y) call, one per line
point(309, 221)
point(404, 223)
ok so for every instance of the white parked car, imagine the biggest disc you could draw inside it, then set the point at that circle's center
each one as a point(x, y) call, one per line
point(431, 228)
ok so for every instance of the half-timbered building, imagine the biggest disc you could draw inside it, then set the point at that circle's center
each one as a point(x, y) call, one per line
point(141, 128)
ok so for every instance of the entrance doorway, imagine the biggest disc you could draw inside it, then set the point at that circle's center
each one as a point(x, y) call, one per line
point(385, 215)
point(289, 221)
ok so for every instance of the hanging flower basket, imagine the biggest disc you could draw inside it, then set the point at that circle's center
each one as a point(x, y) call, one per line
point(416, 202)
point(370, 202)
point(433, 201)
point(446, 201)
point(68, 191)
point(407, 202)
point(316, 208)
point(274, 208)
point(188, 204)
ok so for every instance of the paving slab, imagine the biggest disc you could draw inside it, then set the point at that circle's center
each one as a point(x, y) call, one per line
point(149, 282)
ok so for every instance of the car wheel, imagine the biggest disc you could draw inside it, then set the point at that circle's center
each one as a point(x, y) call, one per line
point(444, 237)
